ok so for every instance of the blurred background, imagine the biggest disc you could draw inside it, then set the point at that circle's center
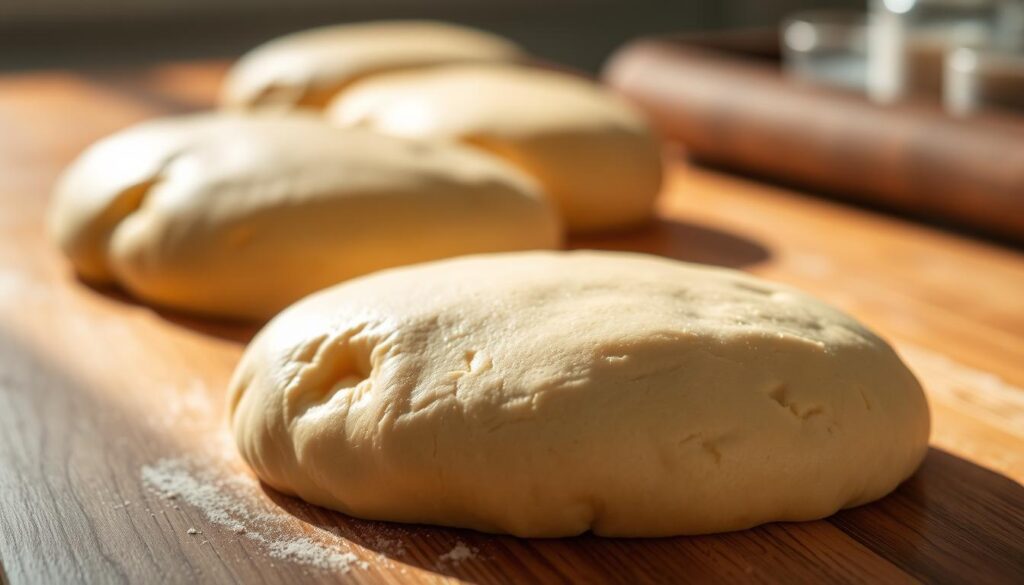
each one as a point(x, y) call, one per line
point(912, 106)
point(579, 33)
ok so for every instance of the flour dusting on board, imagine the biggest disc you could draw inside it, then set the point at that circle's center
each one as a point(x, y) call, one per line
point(233, 503)
point(16, 286)
point(964, 385)
point(188, 402)
point(460, 552)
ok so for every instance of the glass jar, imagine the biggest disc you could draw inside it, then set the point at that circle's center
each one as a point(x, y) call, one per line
point(909, 39)
point(979, 80)
point(827, 47)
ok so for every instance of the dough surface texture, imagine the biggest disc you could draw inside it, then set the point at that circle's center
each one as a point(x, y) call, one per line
point(545, 394)
point(307, 68)
point(593, 153)
point(241, 215)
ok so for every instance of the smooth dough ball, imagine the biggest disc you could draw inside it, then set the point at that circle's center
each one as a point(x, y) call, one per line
point(595, 155)
point(306, 69)
point(549, 393)
point(241, 215)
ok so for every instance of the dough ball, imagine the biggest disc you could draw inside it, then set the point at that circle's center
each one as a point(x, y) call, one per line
point(306, 69)
point(591, 151)
point(549, 393)
point(241, 215)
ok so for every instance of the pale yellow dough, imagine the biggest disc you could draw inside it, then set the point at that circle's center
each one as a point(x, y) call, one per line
point(550, 393)
point(241, 215)
point(307, 68)
point(593, 153)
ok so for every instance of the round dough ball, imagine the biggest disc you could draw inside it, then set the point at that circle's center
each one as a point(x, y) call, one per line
point(241, 215)
point(306, 69)
point(592, 152)
point(549, 393)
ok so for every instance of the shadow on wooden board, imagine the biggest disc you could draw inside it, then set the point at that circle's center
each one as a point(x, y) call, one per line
point(952, 522)
point(684, 240)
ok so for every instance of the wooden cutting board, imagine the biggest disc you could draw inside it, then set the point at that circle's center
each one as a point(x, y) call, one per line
point(115, 465)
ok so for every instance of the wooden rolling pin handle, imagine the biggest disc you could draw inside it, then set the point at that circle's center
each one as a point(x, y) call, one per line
point(745, 114)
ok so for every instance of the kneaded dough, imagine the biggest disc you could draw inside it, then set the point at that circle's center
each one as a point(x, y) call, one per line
point(307, 68)
point(549, 393)
point(592, 152)
point(241, 215)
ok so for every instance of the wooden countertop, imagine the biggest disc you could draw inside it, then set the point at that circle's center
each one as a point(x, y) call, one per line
point(105, 402)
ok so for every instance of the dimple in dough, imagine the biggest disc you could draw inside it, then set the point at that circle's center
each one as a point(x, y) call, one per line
point(307, 68)
point(240, 215)
point(545, 394)
point(594, 154)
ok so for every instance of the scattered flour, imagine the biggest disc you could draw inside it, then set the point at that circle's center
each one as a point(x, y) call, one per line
point(460, 552)
point(233, 502)
point(187, 403)
point(388, 546)
point(16, 286)
point(966, 386)
point(308, 552)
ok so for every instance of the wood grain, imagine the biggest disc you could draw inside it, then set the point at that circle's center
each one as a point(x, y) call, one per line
point(94, 387)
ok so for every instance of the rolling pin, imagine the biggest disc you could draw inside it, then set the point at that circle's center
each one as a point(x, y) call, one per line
point(740, 112)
